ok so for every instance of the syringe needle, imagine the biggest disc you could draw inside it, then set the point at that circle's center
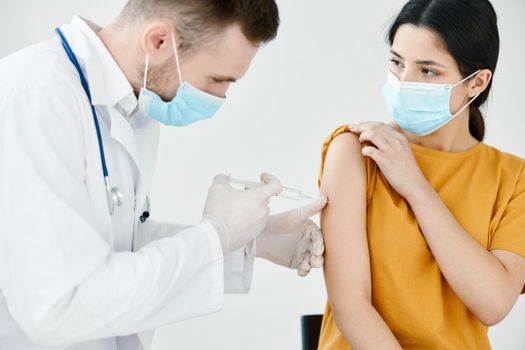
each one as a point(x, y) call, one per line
point(288, 192)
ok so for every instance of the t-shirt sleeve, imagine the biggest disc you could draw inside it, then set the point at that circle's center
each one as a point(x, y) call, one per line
point(510, 233)
point(340, 130)
point(371, 166)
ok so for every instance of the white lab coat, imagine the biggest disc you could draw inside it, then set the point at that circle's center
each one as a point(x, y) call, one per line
point(71, 275)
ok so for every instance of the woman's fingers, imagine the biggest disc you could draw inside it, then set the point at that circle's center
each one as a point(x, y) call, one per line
point(383, 136)
point(373, 153)
point(377, 137)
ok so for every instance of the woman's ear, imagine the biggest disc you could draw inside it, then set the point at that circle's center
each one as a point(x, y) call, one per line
point(156, 40)
point(479, 82)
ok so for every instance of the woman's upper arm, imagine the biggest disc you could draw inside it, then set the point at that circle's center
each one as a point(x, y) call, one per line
point(344, 182)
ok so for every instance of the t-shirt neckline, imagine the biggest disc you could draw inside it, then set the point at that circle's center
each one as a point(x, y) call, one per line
point(444, 154)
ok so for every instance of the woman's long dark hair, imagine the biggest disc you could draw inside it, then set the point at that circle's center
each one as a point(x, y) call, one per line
point(469, 28)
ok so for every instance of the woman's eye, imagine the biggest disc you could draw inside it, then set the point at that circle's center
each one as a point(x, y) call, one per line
point(395, 62)
point(429, 72)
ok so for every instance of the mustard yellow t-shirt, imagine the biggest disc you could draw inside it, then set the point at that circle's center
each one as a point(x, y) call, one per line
point(485, 190)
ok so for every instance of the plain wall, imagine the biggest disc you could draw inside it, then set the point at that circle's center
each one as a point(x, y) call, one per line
point(326, 69)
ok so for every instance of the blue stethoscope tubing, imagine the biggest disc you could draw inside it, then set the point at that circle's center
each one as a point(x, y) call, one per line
point(114, 196)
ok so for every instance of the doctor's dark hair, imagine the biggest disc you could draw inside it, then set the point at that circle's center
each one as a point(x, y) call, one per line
point(469, 29)
point(199, 21)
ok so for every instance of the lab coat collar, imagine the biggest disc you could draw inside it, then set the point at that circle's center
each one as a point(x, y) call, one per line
point(108, 84)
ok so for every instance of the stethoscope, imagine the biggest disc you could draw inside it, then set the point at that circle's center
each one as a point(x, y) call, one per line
point(114, 196)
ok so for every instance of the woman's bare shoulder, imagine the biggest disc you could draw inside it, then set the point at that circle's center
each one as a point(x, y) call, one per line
point(346, 144)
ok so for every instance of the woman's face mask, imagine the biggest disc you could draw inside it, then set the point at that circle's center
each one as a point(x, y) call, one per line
point(420, 108)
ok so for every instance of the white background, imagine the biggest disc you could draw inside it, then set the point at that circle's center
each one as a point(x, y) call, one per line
point(326, 69)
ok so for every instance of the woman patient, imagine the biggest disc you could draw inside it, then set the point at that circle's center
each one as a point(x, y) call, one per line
point(425, 226)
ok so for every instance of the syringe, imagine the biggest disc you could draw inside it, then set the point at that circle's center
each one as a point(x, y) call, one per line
point(288, 192)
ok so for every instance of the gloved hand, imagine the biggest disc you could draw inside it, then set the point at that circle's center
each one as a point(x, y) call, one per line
point(292, 240)
point(239, 216)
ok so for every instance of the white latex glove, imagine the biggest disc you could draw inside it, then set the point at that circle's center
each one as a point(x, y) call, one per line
point(239, 216)
point(292, 240)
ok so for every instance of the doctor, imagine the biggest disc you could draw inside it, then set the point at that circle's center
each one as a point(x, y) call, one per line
point(81, 264)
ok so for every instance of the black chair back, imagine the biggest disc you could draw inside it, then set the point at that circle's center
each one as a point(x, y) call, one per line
point(310, 329)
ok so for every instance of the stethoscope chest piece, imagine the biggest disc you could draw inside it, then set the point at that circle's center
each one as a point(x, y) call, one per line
point(115, 199)
point(117, 196)
point(114, 196)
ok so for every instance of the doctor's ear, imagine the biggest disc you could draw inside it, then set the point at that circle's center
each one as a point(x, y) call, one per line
point(156, 40)
point(479, 82)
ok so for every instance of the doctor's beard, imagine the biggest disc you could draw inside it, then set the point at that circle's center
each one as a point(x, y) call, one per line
point(159, 79)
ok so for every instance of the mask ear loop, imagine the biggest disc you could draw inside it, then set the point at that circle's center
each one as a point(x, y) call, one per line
point(472, 99)
point(176, 60)
point(174, 42)
point(465, 106)
point(467, 78)
point(146, 66)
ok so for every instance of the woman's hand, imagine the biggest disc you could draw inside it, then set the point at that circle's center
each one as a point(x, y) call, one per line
point(391, 151)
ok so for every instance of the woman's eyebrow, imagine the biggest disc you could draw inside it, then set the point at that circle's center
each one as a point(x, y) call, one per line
point(429, 63)
point(422, 62)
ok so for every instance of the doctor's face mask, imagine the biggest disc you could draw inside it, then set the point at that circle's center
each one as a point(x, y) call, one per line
point(190, 105)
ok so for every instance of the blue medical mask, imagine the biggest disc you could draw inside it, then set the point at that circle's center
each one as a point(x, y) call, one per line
point(190, 105)
point(420, 108)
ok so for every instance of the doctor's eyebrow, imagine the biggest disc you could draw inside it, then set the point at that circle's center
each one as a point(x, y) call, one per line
point(223, 79)
point(422, 62)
